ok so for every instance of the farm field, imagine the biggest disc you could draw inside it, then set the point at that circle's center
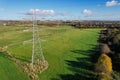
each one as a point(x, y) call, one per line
point(67, 50)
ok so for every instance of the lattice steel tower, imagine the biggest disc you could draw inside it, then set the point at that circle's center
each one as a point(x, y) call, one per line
point(37, 53)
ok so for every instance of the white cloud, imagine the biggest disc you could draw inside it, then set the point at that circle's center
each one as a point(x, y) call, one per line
point(43, 13)
point(87, 12)
point(40, 12)
point(112, 3)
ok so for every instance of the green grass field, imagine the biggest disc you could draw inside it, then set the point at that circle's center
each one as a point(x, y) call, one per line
point(67, 50)
point(9, 70)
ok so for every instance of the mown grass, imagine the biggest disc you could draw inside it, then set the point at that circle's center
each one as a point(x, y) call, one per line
point(66, 49)
point(10, 36)
point(60, 52)
point(9, 70)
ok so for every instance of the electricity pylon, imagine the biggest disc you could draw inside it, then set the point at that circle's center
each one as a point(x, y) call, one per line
point(37, 53)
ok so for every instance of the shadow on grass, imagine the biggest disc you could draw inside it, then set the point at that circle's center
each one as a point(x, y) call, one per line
point(4, 54)
point(82, 67)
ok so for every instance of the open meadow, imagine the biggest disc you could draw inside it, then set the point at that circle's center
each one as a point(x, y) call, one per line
point(68, 51)
point(59, 40)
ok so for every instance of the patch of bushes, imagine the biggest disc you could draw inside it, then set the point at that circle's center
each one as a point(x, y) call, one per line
point(112, 39)
point(104, 64)
point(110, 45)
point(104, 67)
point(38, 67)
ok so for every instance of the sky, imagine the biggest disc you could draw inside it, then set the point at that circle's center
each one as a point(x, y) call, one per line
point(60, 9)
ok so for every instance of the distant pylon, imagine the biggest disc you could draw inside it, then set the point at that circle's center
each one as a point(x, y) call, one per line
point(37, 53)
